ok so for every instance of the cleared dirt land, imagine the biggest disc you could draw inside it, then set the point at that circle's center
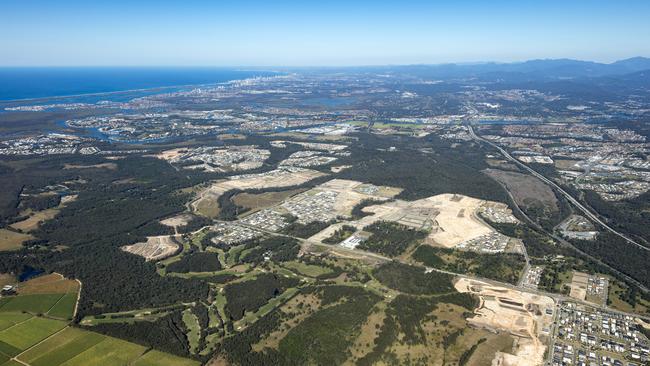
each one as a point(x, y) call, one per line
point(451, 218)
point(175, 221)
point(155, 248)
point(456, 220)
point(206, 203)
point(110, 166)
point(521, 314)
point(258, 201)
point(335, 198)
point(526, 189)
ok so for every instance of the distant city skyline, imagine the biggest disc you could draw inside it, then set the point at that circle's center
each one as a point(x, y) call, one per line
point(302, 33)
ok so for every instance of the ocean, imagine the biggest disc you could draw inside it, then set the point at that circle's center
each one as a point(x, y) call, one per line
point(44, 82)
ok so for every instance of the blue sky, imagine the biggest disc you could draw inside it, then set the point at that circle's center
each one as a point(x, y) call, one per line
point(291, 33)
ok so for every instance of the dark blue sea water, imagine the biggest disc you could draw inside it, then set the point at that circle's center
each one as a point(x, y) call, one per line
point(42, 82)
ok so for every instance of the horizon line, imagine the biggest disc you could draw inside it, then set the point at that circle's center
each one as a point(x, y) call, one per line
point(257, 67)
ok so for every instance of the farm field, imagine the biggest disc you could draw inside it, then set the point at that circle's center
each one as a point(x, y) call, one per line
point(64, 307)
point(9, 319)
point(37, 303)
point(21, 336)
point(42, 341)
point(52, 295)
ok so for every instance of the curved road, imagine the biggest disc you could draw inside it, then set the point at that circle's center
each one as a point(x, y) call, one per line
point(570, 198)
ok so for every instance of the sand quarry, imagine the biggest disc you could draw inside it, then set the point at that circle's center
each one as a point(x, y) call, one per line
point(524, 315)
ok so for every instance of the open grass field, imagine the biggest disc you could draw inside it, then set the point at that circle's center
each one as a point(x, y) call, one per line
point(194, 329)
point(50, 294)
point(251, 317)
point(52, 283)
point(641, 305)
point(32, 222)
point(526, 190)
point(207, 207)
point(7, 350)
point(307, 269)
point(485, 352)
point(11, 240)
point(206, 203)
point(109, 166)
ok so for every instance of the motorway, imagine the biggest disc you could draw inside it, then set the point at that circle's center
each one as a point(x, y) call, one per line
point(570, 198)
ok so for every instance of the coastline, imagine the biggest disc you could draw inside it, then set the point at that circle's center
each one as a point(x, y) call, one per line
point(153, 89)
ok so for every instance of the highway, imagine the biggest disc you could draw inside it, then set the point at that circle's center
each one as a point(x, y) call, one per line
point(570, 198)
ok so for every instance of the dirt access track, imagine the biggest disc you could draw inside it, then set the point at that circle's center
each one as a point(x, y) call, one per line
point(522, 314)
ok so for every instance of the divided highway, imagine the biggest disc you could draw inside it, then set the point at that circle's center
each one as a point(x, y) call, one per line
point(570, 198)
